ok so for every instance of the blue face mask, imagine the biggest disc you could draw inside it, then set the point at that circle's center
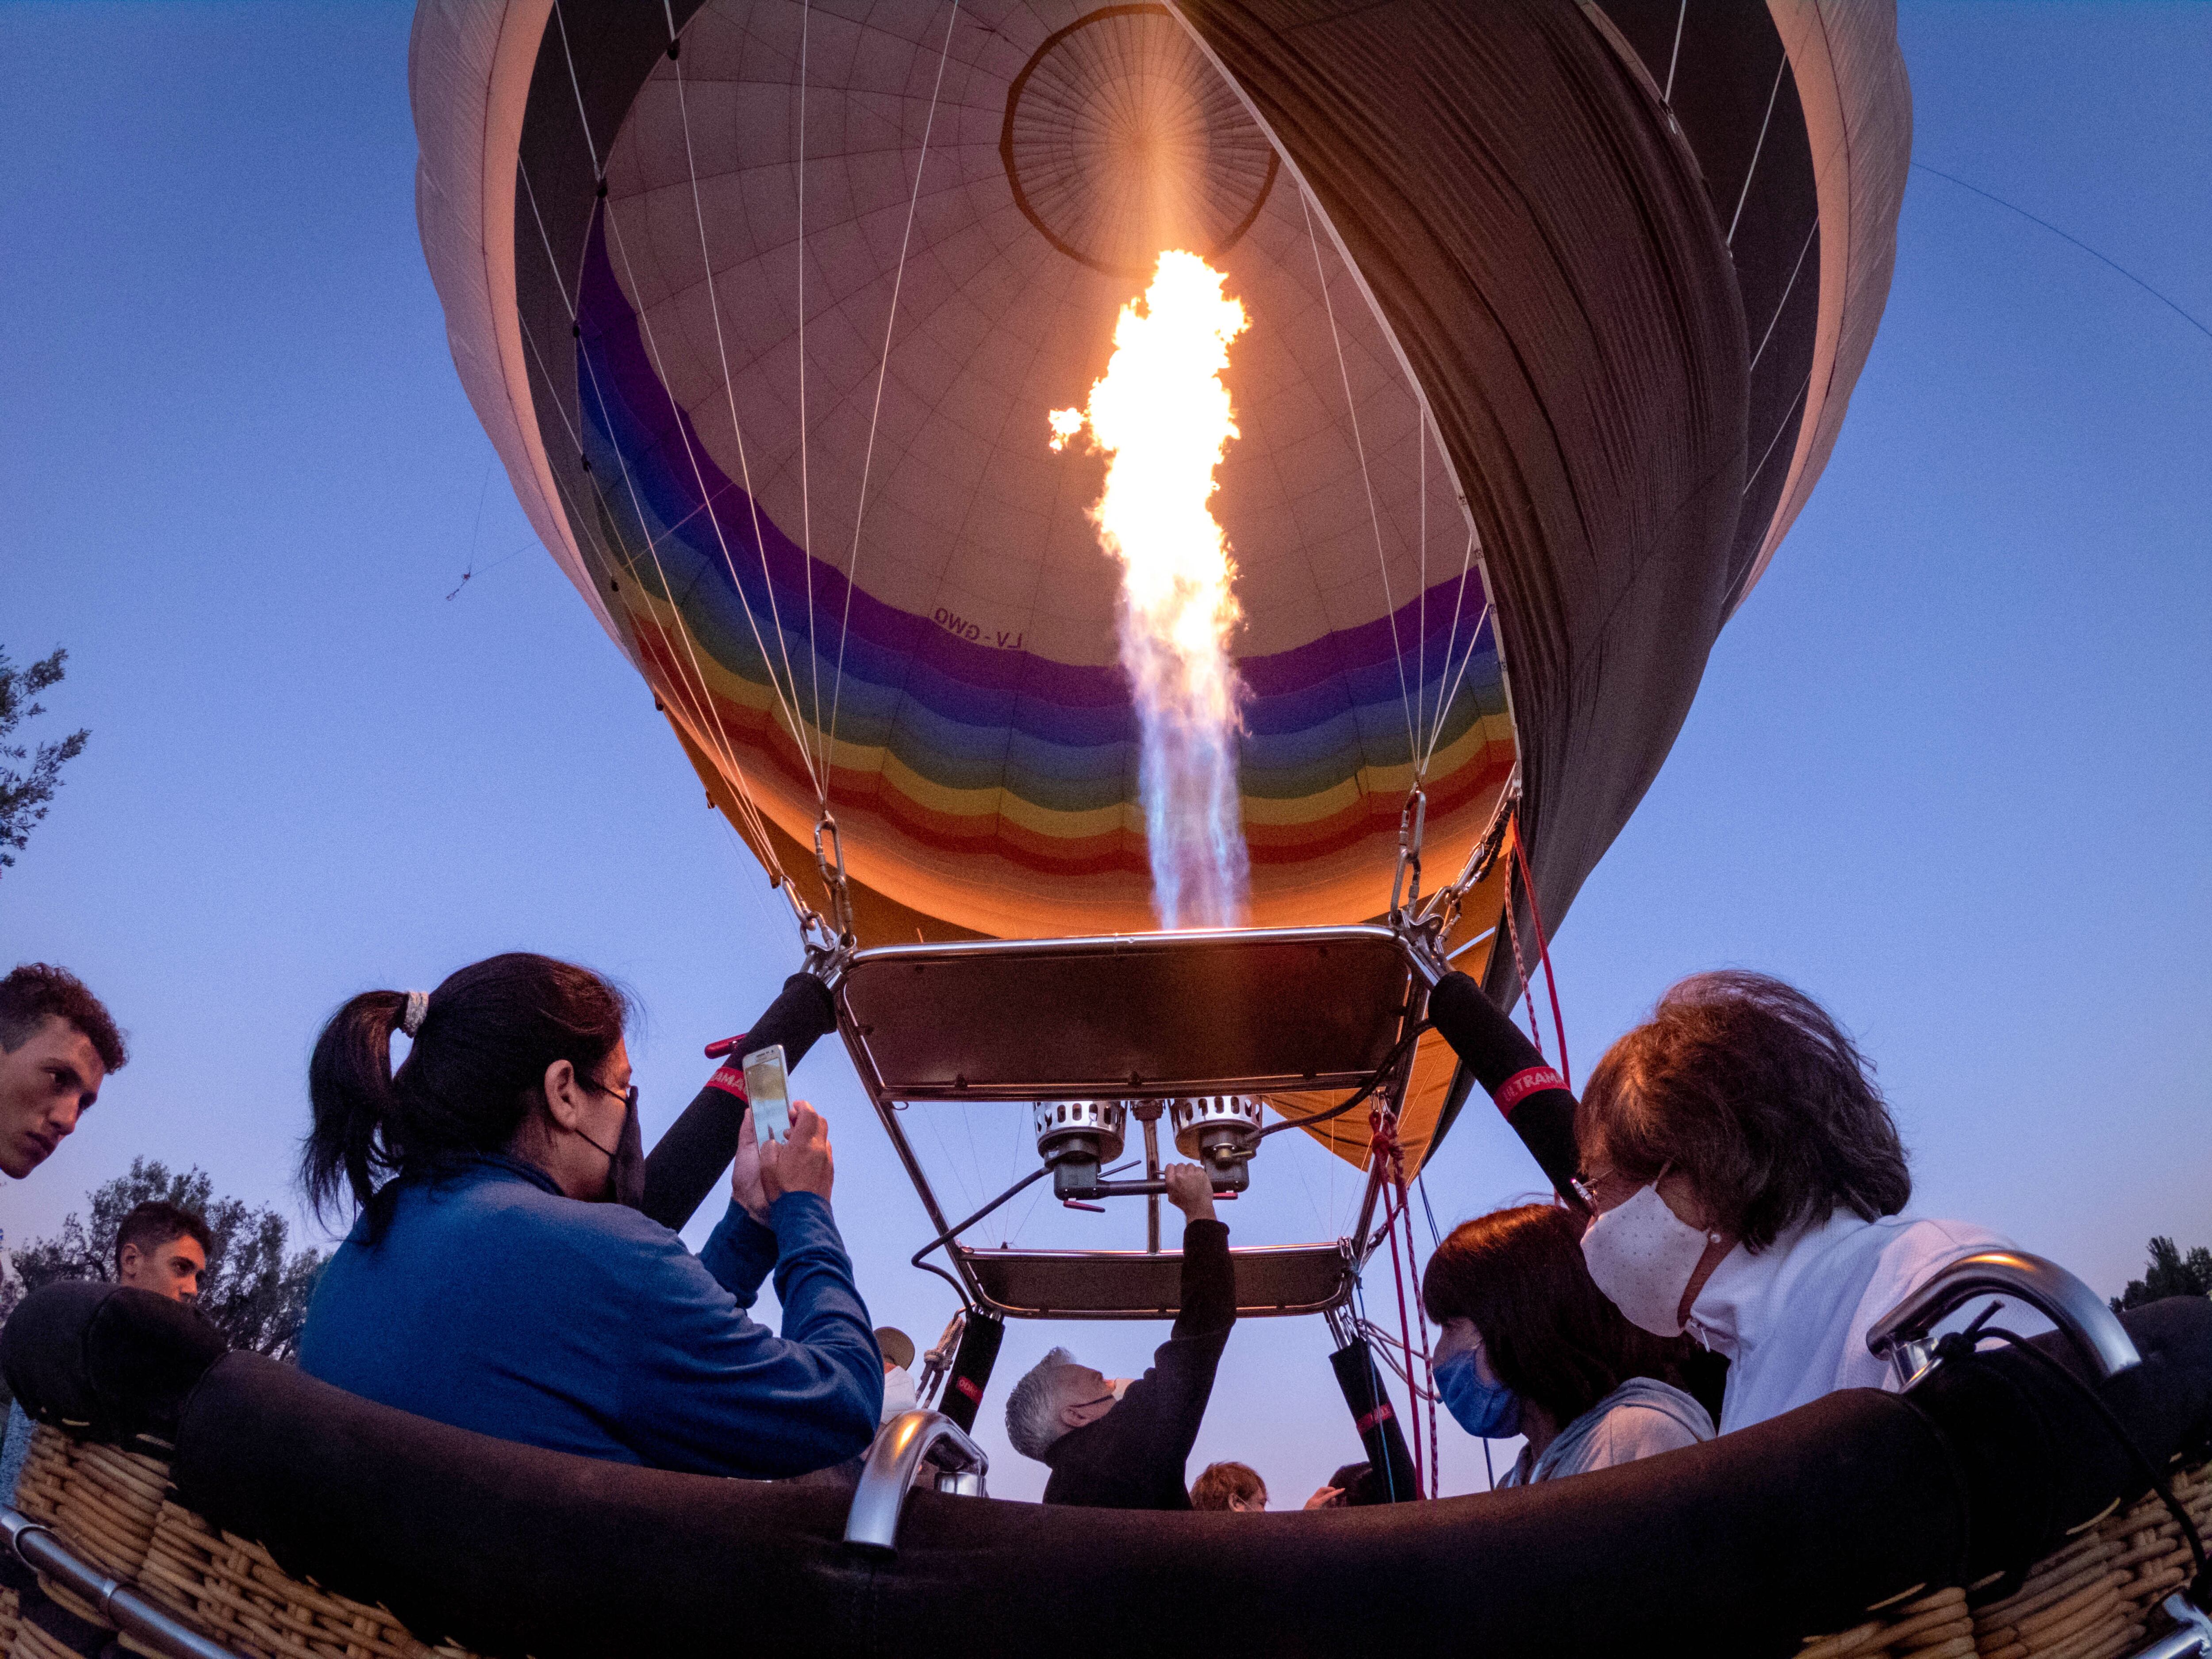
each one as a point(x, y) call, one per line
point(1490, 1411)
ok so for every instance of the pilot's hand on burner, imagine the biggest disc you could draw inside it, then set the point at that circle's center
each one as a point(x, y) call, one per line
point(1190, 1190)
point(802, 1163)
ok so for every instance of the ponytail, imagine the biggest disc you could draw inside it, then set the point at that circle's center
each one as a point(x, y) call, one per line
point(350, 1094)
point(481, 1049)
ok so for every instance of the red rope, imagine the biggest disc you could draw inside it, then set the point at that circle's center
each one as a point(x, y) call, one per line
point(1428, 1367)
point(1384, 1141)
point(1521, 968)
point(1544, 949)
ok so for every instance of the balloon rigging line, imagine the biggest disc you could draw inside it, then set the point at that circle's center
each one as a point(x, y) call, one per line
point(1787, 286)
point(1451, 644)
point(789, 706)
point(2170, 305)
point(744, 463)
point(805, 494)
point(1421, 1185)
point(705, 703)
point(883, 368)
point(652, 541)
point(1462, 949)
point(1475, 640)
point(764, 850)
point(1421, 628)
point(1789, 416)
point(1675, 56)
point(769, 862)
point(1375, 518)
point(472, 573)
point(668, 592)
point(583, 119)
point(1752, 171)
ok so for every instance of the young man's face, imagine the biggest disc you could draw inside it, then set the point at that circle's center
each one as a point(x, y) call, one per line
point(173, 1269)
point(44, 1085)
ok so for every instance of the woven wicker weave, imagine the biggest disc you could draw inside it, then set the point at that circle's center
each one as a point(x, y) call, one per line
point(112, 1508)
point(2095, 1598)
point(234, 1591)
point(32, 1643)
point(10, 1610)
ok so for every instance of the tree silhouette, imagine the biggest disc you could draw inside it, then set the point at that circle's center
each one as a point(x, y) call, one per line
point(2170, 1273)
point(253, 1290)
point(24, 795)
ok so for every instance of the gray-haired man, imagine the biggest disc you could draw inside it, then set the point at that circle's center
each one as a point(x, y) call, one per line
point(1121, 1444)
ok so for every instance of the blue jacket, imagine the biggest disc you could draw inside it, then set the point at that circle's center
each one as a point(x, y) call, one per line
point(493, 1303)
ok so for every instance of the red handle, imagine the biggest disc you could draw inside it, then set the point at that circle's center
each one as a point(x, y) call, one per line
point(726, 1046)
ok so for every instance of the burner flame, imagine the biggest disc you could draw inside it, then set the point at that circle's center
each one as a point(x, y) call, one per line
point(1163, 419)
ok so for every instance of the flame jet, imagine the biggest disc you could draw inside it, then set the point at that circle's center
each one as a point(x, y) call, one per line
point(1161, 417)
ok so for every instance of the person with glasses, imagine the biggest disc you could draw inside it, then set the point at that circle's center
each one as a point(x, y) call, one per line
point(1122, 1443)
point(1745, 1183)
point(1529, 1346)
point(498, 1276)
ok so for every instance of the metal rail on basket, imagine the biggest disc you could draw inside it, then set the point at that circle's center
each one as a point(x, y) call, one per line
point(1905, 1335)
point(903, 1445)
point(37, 1548)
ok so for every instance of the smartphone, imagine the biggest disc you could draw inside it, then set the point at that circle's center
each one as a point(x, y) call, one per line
point(768, 1093)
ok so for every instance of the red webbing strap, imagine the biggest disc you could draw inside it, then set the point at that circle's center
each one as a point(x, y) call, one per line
point(1543, 950)
point(730, 1080)
point(1383, 1139)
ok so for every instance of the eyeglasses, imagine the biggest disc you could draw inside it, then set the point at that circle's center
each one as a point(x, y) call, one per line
point(627, 1097)
point(1586, 1185)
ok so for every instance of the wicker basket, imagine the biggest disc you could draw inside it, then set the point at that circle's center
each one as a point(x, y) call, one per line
point(2095, 1598)
point(112, 1508)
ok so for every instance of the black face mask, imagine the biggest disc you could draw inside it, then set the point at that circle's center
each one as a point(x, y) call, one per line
point(625, 1162)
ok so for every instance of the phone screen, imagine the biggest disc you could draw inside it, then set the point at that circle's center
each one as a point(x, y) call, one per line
point(770, 1096)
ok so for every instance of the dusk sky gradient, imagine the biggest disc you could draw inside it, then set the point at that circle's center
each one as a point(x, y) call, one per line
point(1950, 768)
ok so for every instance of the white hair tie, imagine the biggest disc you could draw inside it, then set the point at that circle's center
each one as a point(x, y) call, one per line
point(419, 1004)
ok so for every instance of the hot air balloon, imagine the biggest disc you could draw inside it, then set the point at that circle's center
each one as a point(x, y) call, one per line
point(1553, 313)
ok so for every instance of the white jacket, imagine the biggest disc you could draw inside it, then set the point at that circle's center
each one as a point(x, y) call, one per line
point(1792, 1320)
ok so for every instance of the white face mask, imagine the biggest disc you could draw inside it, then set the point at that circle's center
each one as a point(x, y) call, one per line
point(899, 1393)
point(1641, 1254)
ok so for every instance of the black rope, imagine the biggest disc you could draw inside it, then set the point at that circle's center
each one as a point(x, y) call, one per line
point(958, 1228)
point(1381, 1076)
point(2014, 207)
point(1962, 1345)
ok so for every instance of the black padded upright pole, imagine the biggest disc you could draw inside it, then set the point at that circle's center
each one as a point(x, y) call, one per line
point(1377, 1421)
point(971, 1367)
point(686, 1162)
point(1533, 1097)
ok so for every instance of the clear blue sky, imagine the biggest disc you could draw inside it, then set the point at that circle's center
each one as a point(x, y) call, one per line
point(1950, 768)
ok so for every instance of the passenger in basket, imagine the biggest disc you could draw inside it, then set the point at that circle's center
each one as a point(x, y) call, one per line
point(1117, 1443)
point(1531, 1347)
point(58, 1044)
point(162, 1248)
point(900, 1394)
point(1746, 1179)
point(493, 1282)
point(1228, 1486)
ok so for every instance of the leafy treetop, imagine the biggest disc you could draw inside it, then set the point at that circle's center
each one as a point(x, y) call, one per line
point(2170, 1273)
point(24, 794)
point(254, 1290)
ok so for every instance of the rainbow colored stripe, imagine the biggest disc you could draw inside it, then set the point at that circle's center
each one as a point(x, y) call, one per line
point(960, 744)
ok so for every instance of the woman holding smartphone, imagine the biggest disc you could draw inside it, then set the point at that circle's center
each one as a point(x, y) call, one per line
point(492, 1281)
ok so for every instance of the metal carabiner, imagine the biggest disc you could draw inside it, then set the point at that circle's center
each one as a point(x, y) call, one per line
point(1413, 823)
point(833, 874)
